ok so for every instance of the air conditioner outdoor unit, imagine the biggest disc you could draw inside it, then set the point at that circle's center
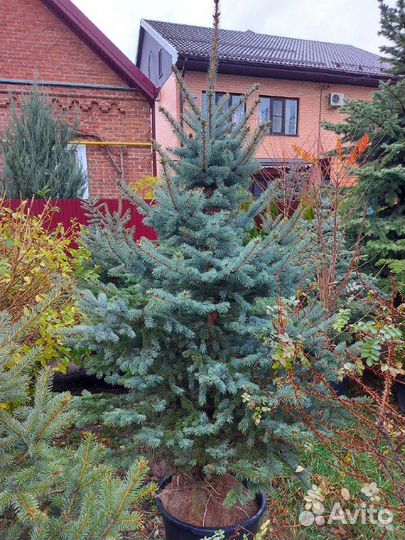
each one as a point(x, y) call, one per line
point(336, 100)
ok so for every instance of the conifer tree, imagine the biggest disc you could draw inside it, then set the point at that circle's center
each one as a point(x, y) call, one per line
point(179, 322)
point(38, 154)
point(380, 186)
point(392, 28)
point(50, 492)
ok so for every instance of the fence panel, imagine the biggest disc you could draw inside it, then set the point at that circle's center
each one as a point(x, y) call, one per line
point(72, 210)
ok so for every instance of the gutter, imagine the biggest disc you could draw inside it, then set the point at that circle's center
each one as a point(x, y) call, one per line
point(23, 82)
point(200, 63)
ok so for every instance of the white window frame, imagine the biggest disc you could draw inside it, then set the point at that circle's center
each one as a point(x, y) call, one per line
point(81, 159)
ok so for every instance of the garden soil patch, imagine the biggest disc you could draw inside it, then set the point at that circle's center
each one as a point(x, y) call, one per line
point(202, 504)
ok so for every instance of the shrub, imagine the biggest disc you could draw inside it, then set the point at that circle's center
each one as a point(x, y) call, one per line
point(379, 337)
point(146, 187)
point(33, 260)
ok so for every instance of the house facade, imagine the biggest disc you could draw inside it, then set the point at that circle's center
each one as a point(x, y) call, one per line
point(52, 43)
point(301, 83)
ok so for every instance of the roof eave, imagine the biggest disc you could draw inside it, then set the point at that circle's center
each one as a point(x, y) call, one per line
point(102, 46)
point(200, 63)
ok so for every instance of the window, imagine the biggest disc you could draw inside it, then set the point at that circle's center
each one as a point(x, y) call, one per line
point(160, 62)
point(150, 64)
point(81, 160)
point(238, 115)
point(282, 113)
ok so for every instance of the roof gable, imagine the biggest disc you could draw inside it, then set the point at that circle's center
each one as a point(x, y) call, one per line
point(251, 48)
point(101, 45)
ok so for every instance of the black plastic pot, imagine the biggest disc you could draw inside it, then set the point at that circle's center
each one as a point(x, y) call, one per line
point(179, 530)
point(400, 388)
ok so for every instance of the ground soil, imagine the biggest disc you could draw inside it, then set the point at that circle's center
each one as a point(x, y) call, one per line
point(201, 503)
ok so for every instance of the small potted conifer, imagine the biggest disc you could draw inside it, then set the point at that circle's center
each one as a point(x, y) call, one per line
point(179, 324)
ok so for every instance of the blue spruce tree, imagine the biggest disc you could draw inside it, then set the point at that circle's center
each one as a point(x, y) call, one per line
point(182, 323)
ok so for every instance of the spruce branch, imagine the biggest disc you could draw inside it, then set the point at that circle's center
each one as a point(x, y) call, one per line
point(186, 92)
point(62, 408)
point(181, 134)
point(189, 118)
point(223, 105)
point(251, 147)
point(251, 250)
point(134, 197)
point(165, 160)
point(213, 69)
point(158, 259)
point(133, 479)
point(259, 205)
point(224, 112)
point(204, 147)
point(244, 125)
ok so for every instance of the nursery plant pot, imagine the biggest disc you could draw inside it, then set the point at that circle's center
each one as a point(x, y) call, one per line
point(400, 389)
point(179, 530)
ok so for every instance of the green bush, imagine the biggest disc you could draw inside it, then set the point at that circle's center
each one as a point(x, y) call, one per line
point(33, 260)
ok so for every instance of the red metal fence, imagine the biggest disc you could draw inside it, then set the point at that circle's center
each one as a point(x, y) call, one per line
point(72, 211)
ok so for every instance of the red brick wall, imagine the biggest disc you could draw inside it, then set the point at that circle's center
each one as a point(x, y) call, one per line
point(311, 97)
point(35, 44)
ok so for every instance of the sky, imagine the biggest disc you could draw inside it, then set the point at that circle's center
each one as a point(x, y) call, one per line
point(355, 22)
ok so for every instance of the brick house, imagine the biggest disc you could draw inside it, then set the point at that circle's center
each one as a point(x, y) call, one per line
point(301, 82)
point(53, 43)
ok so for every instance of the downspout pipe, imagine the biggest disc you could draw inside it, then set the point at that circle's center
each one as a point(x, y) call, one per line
point(154, 156)
point(183, 72)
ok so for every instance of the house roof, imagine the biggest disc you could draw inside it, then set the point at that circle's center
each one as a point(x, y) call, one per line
point(247, 47)
point(102, 46)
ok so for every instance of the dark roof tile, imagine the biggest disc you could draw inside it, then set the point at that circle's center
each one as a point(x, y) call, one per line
point(250, 47)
